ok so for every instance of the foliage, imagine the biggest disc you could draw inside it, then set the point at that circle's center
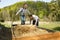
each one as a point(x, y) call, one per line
point(45, 10)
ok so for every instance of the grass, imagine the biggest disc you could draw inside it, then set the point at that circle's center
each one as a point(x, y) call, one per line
point(51, 25)
point(47, 25)
point(6, 24)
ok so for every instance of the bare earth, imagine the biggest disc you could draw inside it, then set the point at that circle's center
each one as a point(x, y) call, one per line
point(51, 36)
point(23, 34)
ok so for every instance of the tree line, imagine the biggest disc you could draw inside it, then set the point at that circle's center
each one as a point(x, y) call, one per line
point(47, 11)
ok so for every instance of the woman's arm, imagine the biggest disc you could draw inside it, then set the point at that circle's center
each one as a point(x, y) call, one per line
point(19, 11)
point(28, 12)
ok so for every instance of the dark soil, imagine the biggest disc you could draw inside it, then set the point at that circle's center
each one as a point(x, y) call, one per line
point(5, 33)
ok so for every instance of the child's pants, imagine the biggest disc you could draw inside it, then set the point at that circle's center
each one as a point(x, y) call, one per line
point(34, 21)
point(23, 20)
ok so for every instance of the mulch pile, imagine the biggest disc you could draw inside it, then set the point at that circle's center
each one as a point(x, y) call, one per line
point(27, 32)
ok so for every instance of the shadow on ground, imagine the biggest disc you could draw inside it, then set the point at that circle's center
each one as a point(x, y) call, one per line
point(5, 33)
point(57, 28)
point(47, 29)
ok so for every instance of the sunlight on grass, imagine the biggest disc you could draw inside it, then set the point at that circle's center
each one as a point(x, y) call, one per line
point(6, 24)
point(50, 25)
point(47, 25)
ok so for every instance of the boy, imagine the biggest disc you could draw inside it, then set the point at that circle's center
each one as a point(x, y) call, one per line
point(34, 20)
point(23, 12)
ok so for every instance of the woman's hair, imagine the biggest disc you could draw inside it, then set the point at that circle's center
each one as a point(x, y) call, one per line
point(24, 4)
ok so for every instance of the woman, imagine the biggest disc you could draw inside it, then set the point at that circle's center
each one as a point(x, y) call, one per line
point(23, 12)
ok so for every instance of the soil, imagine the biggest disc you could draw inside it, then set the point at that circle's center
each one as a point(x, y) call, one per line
point(5, 33)
point(27, 32)
point(51, 36)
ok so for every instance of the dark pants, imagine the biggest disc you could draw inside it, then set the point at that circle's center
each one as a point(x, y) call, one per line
point(34, 21)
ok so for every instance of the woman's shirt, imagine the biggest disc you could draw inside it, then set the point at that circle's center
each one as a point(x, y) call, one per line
point(23, 11)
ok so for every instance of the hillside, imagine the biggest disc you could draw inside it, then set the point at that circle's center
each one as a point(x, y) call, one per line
point(45, 11)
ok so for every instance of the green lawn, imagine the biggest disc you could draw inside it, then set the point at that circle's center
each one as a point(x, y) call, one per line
point(51, 25)
point(47, 25)
point(6, 24)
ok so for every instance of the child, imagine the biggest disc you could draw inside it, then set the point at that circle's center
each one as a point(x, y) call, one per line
point(34, 20)
point(23, 12)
